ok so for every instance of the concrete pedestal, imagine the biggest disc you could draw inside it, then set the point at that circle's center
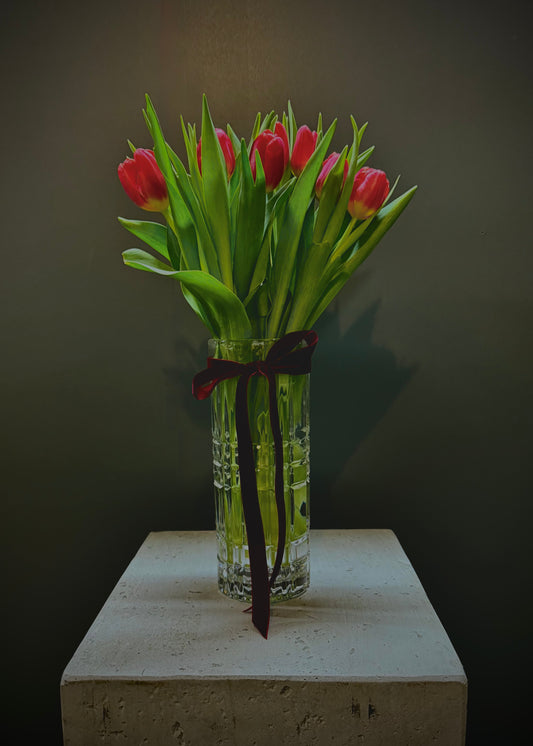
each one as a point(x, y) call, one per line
point(361, 658)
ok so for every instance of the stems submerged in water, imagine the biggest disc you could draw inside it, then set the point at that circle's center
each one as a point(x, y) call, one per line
point(293, 408)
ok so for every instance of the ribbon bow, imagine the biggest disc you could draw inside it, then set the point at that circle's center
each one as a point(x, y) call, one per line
point(281, 358)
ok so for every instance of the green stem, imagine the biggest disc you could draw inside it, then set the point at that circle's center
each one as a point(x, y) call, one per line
point(342, 242)
point(167, 214)
point(275, 316)
point(293, 414)
point(348, 239)
point(304, 300)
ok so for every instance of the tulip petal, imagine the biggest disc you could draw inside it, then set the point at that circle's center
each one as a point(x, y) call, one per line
point(143, 181)
point(304, 147)
point(280, 131)
point(369, 191)
point(274, 162)
point(128, 179)
point(273, 153)
point(150, 180)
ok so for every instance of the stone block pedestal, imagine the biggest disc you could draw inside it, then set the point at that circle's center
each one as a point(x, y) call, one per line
point(361, 658)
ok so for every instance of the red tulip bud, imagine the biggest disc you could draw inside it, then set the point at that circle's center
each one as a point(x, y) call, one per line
point(328, 164)
point(304, 147)
point(280, 131)
point(143, 181)
point(227, 151)
point(370, 188)
point(273, 150)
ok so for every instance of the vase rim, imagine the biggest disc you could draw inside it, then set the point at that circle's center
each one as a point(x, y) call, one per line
point(243, 339)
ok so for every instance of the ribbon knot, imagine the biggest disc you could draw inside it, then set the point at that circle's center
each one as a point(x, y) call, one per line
point(259, 367)
point(285, 356)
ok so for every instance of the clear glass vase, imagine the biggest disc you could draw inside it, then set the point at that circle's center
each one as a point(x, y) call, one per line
point(293, 405)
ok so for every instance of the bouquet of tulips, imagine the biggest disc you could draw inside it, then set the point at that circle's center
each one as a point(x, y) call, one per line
point(261, 233)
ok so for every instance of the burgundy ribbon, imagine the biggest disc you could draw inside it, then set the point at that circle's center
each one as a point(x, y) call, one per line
point(281, 358)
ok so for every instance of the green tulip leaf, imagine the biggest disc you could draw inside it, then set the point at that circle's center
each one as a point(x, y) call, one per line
point(363, 157)
point(234, 139)
point(250, 221)
point(184, 230)
point(215, 181)
point(160, 149)
point(189, 213)
point(181, 209)
point(319, 127)
point(203, 311)
point(383, 220)
point(227, 314)
point(329, 196)
point(380, 224)
point(337, 218)
point(278, 198)
point(285, 122)
point(180, 217)
point(176, 256)
point(324, 300)
point(293, 129)
point(214, 303)
point(154, 234)
point(274, 209)
point(308, 278)
point(306, 240)
point(139, 259)
point(269, 122)
point(284, 252)
point(290, 230)
point(189, 139)
point(235, 180)
point(255, 131)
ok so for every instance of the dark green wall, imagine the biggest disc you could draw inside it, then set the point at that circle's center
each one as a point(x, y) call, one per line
point(421, 389)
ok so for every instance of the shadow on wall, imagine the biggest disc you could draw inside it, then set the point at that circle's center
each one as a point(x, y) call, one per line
point(190, 358)
point(356, 380)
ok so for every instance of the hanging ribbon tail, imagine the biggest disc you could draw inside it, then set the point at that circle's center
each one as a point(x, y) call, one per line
point(252, 512)
point(281, 358)
point(279, 489)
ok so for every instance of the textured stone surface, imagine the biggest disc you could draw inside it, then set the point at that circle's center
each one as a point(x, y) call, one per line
point(361, 658)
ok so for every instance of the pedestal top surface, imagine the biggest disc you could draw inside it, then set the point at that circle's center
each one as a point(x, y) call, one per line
point(365, 617)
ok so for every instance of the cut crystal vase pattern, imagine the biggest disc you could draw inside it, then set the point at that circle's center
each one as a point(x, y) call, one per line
point(293, 405)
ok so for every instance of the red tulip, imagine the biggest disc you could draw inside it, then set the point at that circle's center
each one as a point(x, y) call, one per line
point(370, 189)
point(227, 151)
point(143, 181)
point(328, 164)
point(304, 147)
point(280, 131)
point(273, 149)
